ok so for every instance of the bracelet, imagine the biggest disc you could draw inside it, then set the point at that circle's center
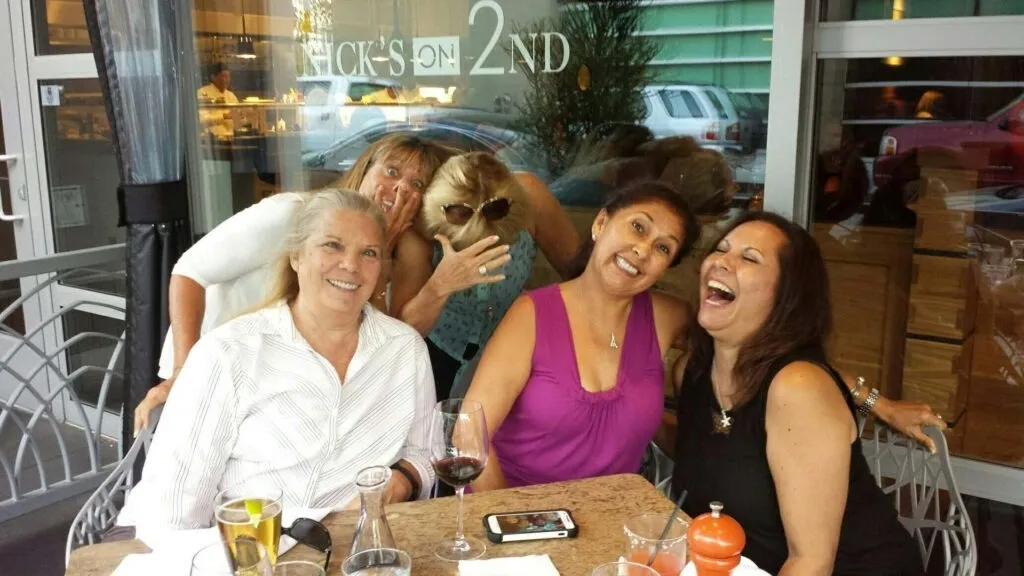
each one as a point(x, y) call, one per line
point(412, 481)
point(855, 393)
point(869, 404)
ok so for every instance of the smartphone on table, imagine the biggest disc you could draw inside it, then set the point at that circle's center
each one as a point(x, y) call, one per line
point(532, 525)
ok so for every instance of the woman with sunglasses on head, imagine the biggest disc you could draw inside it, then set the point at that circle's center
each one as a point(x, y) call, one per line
point(303, 392)
point(227, 270)
point(455, 291)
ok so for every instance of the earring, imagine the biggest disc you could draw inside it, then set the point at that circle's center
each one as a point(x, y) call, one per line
point(593, 236)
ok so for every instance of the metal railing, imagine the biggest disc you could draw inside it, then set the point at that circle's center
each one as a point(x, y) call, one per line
point(51, 443)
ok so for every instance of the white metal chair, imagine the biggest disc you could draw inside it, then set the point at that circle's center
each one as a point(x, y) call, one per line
point(99, 513)
point(657, 469)
point(925, 496)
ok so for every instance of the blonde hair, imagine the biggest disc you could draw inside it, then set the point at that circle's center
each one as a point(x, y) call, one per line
point(284, 282)
point(398, 148)
point(472, 179)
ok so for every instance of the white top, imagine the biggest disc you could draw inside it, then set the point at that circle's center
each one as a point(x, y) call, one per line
point(233, 263)
point(254, 402)
point(211, 92)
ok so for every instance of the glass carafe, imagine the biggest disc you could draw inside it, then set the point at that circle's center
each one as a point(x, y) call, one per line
point(372, 531)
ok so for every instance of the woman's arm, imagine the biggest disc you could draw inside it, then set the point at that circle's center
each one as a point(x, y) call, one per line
point(415, 455)
point(810, 432)
point(187, 306)
point(186, 461)
point(419, 291)
point(672, 318)
point(500, 377)
point(553, 231)
point(241, 244)
point(906, 417)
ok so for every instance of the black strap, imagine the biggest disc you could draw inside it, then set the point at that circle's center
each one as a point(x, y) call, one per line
point(413, 481)
point(152, 203)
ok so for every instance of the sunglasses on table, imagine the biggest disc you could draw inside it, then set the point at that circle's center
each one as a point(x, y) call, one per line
point(493, 210)
point(311, 533)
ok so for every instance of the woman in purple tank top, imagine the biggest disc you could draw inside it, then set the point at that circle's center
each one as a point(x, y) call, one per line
point(572, 381)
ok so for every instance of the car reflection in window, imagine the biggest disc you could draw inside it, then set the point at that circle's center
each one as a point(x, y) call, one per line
point(463, 136)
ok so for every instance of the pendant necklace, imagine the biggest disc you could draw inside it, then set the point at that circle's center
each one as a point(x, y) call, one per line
point(721, 421)
point(613, 344)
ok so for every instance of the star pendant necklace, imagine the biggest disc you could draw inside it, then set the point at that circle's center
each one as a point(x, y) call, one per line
point(721, 421)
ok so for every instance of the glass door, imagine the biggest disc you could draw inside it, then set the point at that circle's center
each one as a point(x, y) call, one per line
point(67, 180)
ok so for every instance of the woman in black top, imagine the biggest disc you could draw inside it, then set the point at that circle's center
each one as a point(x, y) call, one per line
point(767, 427)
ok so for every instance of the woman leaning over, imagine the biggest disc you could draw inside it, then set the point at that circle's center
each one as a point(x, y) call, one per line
point(228, 269)
point(767, 426)
point(302, 393)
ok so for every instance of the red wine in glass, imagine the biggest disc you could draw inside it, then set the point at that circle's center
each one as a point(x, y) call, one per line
point(458, 471)
point(459, 446)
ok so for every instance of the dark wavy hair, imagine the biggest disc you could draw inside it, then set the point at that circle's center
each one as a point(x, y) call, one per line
point(638, 193)
point(800, 319)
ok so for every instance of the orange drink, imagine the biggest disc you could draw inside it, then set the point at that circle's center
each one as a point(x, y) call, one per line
point(665, 564)
point(644, 537)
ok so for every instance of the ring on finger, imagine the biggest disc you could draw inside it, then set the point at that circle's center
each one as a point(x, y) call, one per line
point(482, 270)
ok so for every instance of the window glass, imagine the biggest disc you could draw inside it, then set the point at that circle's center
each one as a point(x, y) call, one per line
point(918, 204)
point(59, 27)
point(839, 10)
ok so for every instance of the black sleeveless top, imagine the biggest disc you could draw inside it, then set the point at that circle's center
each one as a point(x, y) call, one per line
point(733, 469)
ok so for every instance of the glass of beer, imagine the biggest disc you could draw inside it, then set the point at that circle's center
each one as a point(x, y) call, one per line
point(249, 512)
point(213, 560)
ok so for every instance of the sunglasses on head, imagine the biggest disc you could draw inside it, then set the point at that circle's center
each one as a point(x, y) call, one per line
point(309, 532)
point(493, 210)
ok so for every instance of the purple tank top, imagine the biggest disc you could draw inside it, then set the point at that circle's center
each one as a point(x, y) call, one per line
point(559, 431)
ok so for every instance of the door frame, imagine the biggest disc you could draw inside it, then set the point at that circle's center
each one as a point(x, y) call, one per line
point(29, 71)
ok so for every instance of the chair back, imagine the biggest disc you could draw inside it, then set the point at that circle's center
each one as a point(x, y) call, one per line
point(657, 469)
point(925, 496)
point(99, 513)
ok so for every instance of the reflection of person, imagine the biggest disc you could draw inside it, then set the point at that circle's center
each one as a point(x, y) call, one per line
point(217, 91)
point(766, 426)
point(217, 120)
point(226, 271)
point(572, 382)
point(489, 224)
point(931, 105)
point(703, 176)
point(265, 397)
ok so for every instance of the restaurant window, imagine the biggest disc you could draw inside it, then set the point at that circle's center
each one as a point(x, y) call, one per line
point(291, 92)
point(918, 204)
point(844, 10)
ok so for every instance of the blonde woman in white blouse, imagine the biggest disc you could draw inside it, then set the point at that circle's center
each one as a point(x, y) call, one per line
point(303, 392)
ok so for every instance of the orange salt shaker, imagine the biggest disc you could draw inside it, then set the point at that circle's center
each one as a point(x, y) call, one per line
point(716, 541)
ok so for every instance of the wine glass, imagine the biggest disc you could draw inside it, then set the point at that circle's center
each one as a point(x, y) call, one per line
point(459, 446)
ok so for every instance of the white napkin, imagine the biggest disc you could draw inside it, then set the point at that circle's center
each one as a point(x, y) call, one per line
point(512, 566)
point(746, 568)
point(173, 549)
